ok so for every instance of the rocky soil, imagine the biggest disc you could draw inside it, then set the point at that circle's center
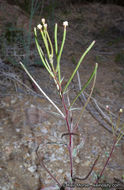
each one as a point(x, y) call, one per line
point(28, 124)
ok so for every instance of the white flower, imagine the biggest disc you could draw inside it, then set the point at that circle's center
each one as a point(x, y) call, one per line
point(121, 110)
point(107, 107)
point(43, 20)
point(45, 26)
point(65, 23)
point(39, 26)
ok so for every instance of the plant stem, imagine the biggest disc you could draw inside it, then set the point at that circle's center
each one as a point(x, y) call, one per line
point(42, 163)
point(79, 178)
point(113, 147)
point(70, 136)
point(71, 160)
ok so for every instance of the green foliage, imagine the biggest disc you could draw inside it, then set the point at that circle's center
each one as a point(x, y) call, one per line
point(55, 71)
point(47, 57)
point(80, 61)
point(86, 84)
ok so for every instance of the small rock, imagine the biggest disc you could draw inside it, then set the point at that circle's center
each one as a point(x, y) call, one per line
point(18, 130)
point(87, 163)
point(77, 160)
point(13, 101)
point(32, 169)
point(60, 171)
point(44, 130)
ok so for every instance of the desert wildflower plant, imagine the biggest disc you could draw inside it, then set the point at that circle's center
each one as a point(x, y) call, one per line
point(48, 56)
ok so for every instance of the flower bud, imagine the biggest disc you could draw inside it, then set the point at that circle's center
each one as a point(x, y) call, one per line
point(107, 107)
point(43, 20)
point(121, 110)
point(45, 26)
point(65, 23)
point(39, 26)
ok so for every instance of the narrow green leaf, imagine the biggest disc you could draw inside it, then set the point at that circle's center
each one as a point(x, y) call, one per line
point(51, 53)
point(59, 55)
point(87, 101)
point(86, 84)
point(120, 135)
point(55, 38)
point(44, 37)
point(51, 46)
point(44, 61)
point(81, 59)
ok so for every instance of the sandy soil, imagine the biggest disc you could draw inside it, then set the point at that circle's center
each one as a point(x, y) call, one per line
point(28, 122)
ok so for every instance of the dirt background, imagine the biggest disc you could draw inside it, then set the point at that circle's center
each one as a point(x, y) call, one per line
point(27, 119)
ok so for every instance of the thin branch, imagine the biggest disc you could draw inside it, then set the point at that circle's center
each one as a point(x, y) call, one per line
point(79, 178)
point(99, 111)
point(101, 173)
point(42, 90)
point(42, 163)
point(66, 134)
point(86, 103)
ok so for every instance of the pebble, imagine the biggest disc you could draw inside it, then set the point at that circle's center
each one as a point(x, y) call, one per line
point(32, 169)
point(77, 160)
point(87, 163)
point(44, 130)
point(13, 101)
point(53, 157)
point(94, 150)
point(18, 130)
point(33, 156)
point(60, 171)
point(61, 150)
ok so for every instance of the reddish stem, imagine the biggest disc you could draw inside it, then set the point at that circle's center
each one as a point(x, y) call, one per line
point(42, 163)
point(71, 163)
point(113, 147)
point(70, 137)
point(68, 126)
point(78, 178)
